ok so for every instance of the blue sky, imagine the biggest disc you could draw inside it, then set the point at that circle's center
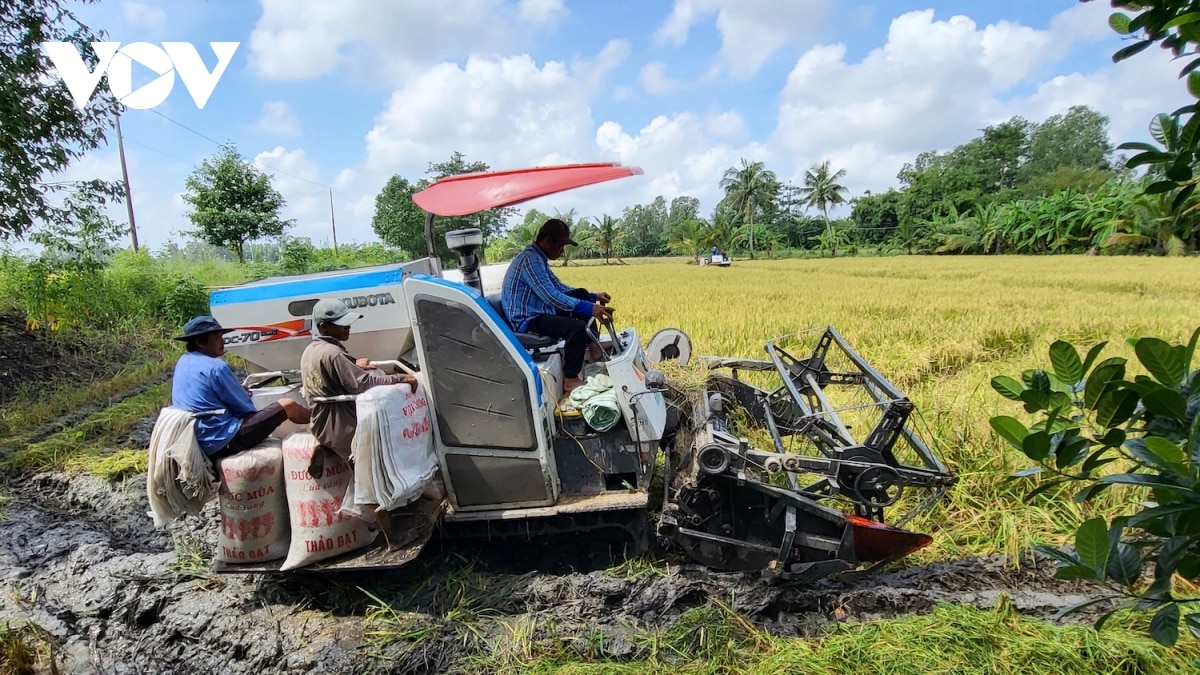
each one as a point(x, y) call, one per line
point(341, 95)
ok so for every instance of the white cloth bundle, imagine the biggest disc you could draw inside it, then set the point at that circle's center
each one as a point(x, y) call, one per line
point(394, 460)
point(179, 478)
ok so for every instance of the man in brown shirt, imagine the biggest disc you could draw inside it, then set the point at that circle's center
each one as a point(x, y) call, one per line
point(328, 370)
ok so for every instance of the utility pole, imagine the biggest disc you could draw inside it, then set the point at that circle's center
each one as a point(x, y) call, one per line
point(332, 224)
point(125, 179)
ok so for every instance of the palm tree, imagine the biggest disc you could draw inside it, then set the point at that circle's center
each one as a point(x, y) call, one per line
point(750, 187)
point(821, 189)
point(724, 232)
point(691, 238)
point(585, 234)
point(606, 233)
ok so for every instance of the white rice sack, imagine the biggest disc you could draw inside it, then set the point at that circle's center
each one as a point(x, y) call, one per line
point(319, 529)
point(394, 460)
point(254, 508)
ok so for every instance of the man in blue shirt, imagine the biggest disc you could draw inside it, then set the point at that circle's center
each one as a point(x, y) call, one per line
point(203, 383)
point(537, 302)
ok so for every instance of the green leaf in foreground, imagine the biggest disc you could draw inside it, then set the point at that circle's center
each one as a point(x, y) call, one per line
point(1193, 624)
point(1007, 387)
point(1162, 361)
point(1091, 543)
point(1164, 627)
point(1010, 429)
point(1065, 361)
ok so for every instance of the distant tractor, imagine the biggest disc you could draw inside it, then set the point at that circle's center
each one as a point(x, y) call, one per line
point(516, 462)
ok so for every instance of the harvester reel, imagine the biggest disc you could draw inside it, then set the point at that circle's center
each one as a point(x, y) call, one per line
point(730, 512)
point(669, 344)
point(877, 487)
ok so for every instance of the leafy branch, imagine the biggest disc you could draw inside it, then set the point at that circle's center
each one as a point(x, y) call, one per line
point(1099, 427)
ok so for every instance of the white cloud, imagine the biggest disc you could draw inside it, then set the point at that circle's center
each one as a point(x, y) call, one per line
point(653, 78)
point(751, 30)
point(675, 29)
point(296, 177)
point(278, 118)
point(937, 83)
point(679, 155)
point(306, 39)
point(142, 15)
point(1084, 22)
point(508, 110)
point(1155, 80)
point(726, 125)
point(596, 70)
point(542, 11)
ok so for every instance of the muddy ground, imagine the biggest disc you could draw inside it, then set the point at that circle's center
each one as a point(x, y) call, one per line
point(79, 556)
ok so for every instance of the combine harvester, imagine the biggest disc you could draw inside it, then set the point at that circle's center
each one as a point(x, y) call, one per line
point(514, 464)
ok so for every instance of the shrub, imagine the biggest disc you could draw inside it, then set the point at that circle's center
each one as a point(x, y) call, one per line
point(1100, 428)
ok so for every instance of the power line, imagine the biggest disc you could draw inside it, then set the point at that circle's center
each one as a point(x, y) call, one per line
point(259, 162)
point(157, 151)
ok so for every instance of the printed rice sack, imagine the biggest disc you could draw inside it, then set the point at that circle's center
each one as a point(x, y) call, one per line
point(254, 509)
point(394, 461)
point(319, 528)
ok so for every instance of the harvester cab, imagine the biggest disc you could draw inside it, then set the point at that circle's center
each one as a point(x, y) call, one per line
point(519, 459)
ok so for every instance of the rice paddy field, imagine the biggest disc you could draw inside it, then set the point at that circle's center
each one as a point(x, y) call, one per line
point(939, 328)
point(972, 602)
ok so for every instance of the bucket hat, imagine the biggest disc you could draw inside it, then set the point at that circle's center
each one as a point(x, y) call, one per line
point(202, 325)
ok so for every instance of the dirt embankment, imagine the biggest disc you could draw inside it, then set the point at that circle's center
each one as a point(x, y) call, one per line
point(79, 557)
point(29, 359)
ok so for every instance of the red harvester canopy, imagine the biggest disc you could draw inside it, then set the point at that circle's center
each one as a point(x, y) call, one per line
point(475, 192)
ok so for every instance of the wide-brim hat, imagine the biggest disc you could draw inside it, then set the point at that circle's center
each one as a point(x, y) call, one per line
point(202, 325)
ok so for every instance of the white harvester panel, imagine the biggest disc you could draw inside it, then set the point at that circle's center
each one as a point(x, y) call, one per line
point(490, 276)
point(272, 318)
point(487, 400)
point(644, 410)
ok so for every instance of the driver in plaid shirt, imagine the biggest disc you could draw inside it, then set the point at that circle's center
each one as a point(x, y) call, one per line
point(536, 301)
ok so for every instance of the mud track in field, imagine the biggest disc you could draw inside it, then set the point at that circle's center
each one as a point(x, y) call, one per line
point(79, 556)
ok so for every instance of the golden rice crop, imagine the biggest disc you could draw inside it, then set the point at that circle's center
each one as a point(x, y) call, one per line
point(940, 329)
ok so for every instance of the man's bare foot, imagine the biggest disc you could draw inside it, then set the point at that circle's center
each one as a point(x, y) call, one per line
point(316, 464)
point(571, 384)
point(594, 352)
point(398, 530)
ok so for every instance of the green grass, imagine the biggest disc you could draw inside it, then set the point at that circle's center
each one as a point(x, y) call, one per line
point(45, 405)
point(26, 649)
point(712, 640)
point(87, 446)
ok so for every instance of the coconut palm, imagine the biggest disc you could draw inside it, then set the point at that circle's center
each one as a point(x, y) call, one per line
point(725, 232)
point(608, 230)
point(585, 235)
point(749, 188)
point(690, 238)
point(821, 190)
